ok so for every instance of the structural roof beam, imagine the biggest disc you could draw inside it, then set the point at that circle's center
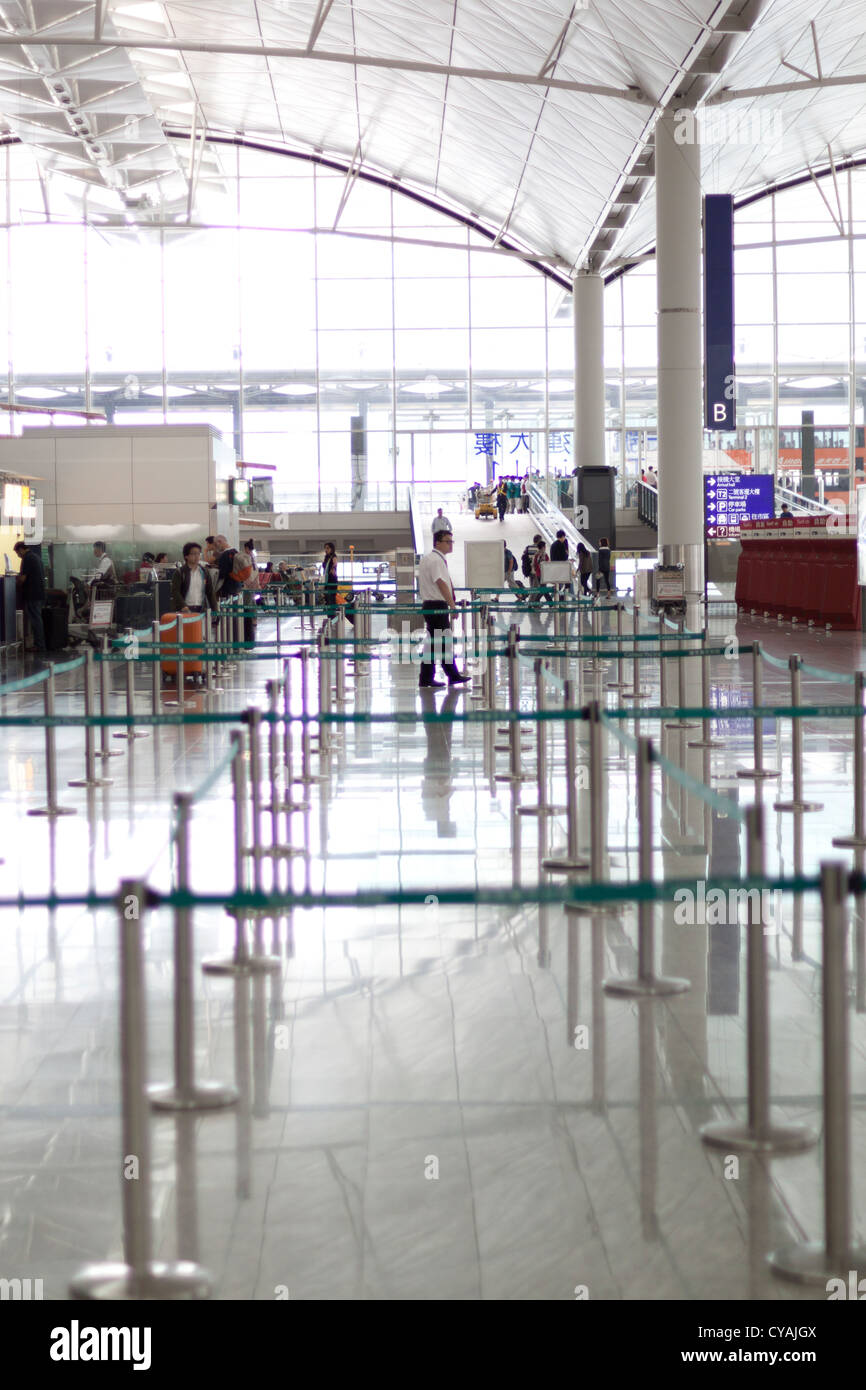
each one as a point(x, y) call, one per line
point(359, 60)
point(811, 84)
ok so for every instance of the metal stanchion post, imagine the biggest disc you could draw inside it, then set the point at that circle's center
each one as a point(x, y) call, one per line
point(131, 733)
point(646, 981)
point(307, 775)
point(573, 861)
point(514, 773)
point(858, 839)
point(797, 803)
point(242, 961)
point(680, 724)
point(635, 693)
point(542, 808)
point(52, 808)
point(619, 683)
point(155, 670)
point(90, 778)
point(839, 1254)
point(706, 740)
point(758, 772)
point(104, 667)
point(341, 656)
point(185, 1093)
point(759, 1134)
point(139, 1276)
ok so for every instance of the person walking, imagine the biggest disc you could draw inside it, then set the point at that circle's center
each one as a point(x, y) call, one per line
point(438, 601)
point(603, 565)
point(510, 568)
point(329, 579)
point(540, 558)
point(441, 522)
point(584, 567)
point(31, 583)
point(502, 499)
point(559, 549)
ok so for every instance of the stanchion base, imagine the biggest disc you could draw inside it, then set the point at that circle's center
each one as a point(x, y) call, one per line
point(286, 807)
point(205, 1095)
point(133, 733)
point(758, 774)
point(53, 811)
point(656, 986)
point(636, 694)
point(681, 725)
point(541, 810)
point(514, 777)
point(92, 782)
point(776, 1139)
point(564, 866)
point(799, 806)
point(811, 1264)
point(110, 753)
point(846, 842)
point(119, 1282)
point(310, 779)
point(279, 852)
point(706, 742)
point(248, 965)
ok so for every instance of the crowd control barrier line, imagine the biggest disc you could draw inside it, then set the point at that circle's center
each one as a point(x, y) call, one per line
point(798, 802)
point(723, 805)
point(280, 902)
point(52, 808)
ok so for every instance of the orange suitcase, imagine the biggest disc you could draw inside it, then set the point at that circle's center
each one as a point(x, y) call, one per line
point(193, 631)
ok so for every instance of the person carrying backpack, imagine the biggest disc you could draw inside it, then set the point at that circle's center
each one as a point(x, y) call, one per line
point(510, 568)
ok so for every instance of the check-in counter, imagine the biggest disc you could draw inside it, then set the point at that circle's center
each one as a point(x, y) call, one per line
point(803, 567)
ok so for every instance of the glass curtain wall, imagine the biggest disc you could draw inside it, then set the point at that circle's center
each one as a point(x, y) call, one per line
point(359, 341)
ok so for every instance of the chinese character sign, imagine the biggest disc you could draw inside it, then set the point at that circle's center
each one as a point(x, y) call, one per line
point(731, 498)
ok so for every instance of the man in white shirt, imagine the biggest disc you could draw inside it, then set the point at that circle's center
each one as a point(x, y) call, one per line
point(436, 593)
point(191, 586)
point(440, 523)
point(106, 575)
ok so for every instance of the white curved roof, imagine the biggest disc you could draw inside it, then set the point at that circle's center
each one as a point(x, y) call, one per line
point(532, 115)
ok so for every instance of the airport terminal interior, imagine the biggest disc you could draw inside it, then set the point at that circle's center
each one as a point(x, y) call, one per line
point(544, 977)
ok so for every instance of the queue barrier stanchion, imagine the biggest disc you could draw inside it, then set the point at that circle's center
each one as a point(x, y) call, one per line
point(257, 851)
point(635, 693)
point(138, 1276)
point(543, 807)
point(514, 773)
point(340, 684)
point(759, 1134)
point(574, 861)
point(242, 961)
point(797, 802)
point(52, 807)
point(646, 983)
point(130, 733)
point(307, 777)
point(839, 1253)
point(706, 740)
point(858, 839)
point(185, 1093)
point(90, 778)
point(155, 671)
point(619, 683)
point(277, 806)
point(681, 724)
point(597, 817)
point(289, 804)
point(758, 773)
point(104, 685)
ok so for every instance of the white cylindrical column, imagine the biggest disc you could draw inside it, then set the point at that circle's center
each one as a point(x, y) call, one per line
point(680, 397)
point(589, 370)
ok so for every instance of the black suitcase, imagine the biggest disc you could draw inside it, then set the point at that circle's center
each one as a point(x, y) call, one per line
point(56, 627)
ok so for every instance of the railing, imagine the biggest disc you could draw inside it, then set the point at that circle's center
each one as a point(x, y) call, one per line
point(648, 505)
point(798, 503)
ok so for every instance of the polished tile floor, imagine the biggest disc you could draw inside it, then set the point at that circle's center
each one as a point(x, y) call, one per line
point(415, 1121)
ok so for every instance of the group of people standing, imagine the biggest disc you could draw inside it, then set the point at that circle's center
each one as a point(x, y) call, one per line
point(511, 496)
